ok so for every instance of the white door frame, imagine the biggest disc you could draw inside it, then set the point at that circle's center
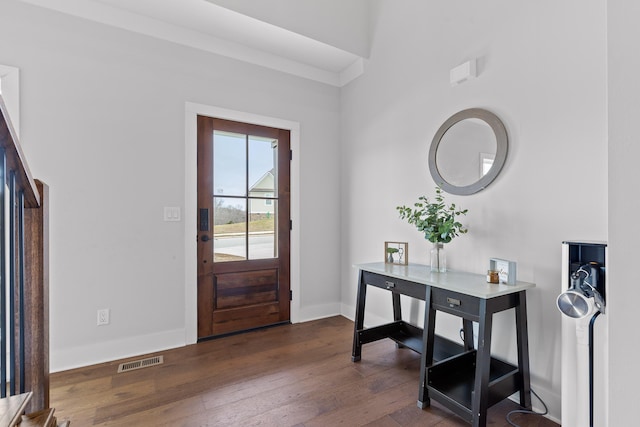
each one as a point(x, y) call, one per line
point(192, 110)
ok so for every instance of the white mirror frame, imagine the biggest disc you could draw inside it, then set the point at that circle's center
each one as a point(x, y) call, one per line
point(502, 147)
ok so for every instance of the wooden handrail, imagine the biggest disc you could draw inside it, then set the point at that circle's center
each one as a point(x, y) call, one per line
point(15, 158)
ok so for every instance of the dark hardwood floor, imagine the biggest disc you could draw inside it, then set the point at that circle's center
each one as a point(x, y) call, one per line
point(293, 375)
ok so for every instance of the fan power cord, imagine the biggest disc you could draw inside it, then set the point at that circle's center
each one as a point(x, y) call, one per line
point(526, 411)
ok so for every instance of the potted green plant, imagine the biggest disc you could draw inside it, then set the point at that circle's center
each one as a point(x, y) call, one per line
point(439, 223)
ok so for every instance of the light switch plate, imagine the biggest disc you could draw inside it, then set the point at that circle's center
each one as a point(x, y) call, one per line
point(172, 213)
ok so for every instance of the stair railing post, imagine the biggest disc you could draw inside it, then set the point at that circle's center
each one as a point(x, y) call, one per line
point(36, 300)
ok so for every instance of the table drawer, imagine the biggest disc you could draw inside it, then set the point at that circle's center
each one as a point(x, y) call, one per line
point(412, 289)
point(455, 303)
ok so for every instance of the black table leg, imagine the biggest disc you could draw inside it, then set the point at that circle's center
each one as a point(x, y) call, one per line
point(523, 350)
point(480, 401)
point(467, 332)
point(397, 311)
point(427, 350)
point(359, 320)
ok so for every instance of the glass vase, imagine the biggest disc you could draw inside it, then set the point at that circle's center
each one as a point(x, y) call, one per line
point(438, 258)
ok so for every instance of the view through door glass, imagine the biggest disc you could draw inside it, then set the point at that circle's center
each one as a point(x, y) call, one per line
point(243, 226)
point(244, 197)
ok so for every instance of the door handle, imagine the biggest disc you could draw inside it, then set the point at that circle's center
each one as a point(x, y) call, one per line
point(205, 238)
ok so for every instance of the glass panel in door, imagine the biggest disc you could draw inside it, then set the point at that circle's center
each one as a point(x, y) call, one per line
point(245, 197)
point(229, 229)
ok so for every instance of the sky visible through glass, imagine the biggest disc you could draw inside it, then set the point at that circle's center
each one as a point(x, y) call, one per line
point(229, 162)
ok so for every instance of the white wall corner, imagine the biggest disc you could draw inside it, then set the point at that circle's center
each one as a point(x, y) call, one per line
point(352, 72)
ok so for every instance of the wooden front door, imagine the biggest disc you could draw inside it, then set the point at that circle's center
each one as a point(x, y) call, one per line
point(243, 226)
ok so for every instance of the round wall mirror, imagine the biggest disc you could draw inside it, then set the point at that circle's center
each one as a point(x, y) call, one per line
point(468, 151)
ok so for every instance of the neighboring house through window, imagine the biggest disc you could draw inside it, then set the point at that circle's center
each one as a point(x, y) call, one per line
point(261, 194)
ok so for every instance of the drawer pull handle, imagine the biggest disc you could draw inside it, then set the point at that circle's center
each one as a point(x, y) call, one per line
point(389, 285)
point(453, 301)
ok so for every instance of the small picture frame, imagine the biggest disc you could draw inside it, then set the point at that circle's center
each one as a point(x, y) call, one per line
point(506, 270)
point(396, 253)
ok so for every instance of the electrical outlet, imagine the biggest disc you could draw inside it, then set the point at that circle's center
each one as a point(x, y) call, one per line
point(103, 317)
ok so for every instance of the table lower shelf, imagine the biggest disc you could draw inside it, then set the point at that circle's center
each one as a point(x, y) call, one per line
point(410, 336)
point(451, 382)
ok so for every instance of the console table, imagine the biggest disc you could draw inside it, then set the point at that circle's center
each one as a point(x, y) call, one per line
point(464, 379)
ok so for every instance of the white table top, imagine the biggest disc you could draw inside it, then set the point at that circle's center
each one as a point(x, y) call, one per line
point(457, 281)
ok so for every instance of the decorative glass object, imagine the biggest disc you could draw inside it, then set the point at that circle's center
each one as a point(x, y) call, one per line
point(396, 253)
point(438, 258)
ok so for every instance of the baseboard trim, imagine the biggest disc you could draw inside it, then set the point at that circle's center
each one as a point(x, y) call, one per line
point(108, 351)
point(320, 311)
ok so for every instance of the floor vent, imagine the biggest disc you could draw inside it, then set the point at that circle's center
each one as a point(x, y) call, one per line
point(139, 364)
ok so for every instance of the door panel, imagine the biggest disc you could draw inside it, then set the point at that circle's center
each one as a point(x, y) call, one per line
point(245, 318)
point(243, 235)
point(239, 289)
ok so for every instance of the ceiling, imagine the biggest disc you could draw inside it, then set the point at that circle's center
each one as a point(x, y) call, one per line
point(204, 25)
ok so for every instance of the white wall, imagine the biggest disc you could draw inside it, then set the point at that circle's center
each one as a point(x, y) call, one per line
point(544, 74)
point(624, 204)
point(10, 91)
point(103, 123)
